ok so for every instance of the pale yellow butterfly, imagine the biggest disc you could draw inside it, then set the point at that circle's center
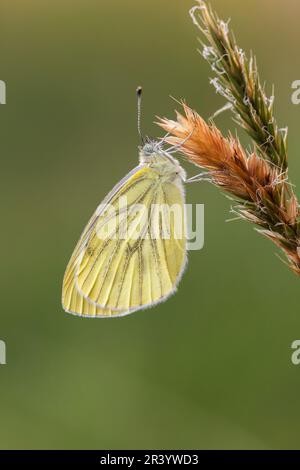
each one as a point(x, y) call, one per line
point(132, 253)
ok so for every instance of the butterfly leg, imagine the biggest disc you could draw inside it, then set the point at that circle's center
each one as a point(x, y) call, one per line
point(205, 176)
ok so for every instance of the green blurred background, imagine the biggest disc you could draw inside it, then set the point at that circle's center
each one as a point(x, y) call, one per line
point(211, 367)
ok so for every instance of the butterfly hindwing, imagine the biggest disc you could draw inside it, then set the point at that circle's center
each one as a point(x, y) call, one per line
point(72, 300)
point(75, 303)
point(132, 272)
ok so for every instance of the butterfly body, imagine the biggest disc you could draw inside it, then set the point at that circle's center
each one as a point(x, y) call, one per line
point(133, 251)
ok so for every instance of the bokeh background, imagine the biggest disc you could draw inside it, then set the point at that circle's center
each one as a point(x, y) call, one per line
point(210, 368)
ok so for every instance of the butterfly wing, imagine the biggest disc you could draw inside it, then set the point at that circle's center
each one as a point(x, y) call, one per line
point(72, 300)
point(119, 274)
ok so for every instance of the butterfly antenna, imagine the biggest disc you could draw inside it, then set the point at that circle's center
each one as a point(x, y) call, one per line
point(139, 108)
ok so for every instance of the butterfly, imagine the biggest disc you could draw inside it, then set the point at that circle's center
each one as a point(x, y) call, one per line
point(133, 251)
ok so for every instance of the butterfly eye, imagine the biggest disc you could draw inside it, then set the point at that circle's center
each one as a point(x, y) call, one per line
point(148, 149)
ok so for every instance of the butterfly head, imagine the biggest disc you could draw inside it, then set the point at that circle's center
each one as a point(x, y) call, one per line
point(152, 150)
point(150, 147)
point(154, 155)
